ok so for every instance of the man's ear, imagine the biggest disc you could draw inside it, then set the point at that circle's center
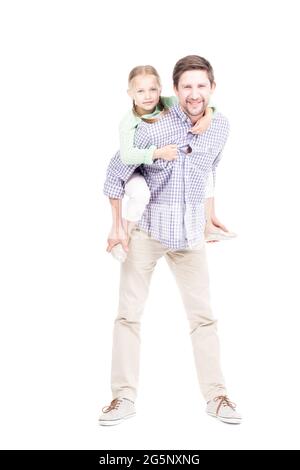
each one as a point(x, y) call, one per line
point(213, 87)
point(175, 90)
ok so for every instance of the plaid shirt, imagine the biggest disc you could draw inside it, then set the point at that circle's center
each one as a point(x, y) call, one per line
point(175, 213)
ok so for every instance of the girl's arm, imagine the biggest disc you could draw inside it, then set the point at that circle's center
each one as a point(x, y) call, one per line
point(131, 155)
point(203, 124)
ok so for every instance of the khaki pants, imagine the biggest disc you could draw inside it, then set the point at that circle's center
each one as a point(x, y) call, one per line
point(191, 273)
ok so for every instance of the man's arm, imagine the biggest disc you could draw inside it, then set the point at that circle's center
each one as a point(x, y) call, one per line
point(224, 132)
point(118, 231)
point(114, 187)
point(116, 176)
point(210, 201)
point(210, 214)
point(214, 167)
point(209, 188)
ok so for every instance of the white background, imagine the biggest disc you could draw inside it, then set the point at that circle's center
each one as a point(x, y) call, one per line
point(64, 67)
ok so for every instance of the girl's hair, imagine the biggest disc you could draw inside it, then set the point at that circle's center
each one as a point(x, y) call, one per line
point(143, 70)
point(146, 70)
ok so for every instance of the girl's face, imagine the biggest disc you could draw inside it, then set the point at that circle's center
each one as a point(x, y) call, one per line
point(145, 92)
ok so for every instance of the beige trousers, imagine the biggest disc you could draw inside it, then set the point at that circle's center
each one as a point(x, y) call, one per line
point(191, 273)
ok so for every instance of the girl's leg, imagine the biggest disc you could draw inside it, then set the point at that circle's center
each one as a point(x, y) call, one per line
point(138, 193)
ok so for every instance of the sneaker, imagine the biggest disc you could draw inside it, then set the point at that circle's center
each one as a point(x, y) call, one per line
point(118, 410)
point(223, 409)
point(216, 234)
point(119, 253)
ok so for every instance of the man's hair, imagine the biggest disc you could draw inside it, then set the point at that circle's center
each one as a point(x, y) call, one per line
point(192, 62)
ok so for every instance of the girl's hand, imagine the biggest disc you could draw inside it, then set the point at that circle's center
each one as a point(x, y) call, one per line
point(169, 152)
point(203, 124)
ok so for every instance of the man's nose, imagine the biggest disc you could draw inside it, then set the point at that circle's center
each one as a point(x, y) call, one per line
point(195, 94)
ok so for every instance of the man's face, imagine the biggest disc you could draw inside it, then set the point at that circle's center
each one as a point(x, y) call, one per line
point(193, 92)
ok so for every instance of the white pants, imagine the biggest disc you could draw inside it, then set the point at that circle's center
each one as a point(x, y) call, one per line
point(138, 193)
point(191, 273)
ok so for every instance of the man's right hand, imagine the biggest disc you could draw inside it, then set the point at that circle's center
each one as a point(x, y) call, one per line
point(117, 235)
point(113, 242)
point(169, 152)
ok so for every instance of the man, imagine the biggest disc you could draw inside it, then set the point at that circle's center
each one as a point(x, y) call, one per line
point(172, 226)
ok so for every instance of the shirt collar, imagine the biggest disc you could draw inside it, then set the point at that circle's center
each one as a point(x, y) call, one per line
point(181, 114)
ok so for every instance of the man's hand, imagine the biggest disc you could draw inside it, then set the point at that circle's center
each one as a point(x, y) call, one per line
point(218, 224)
point(117, 235)
point(209, 228)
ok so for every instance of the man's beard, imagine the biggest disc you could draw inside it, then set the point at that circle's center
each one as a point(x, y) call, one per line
point(198, 111)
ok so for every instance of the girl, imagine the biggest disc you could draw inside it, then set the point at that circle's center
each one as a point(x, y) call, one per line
point(144, 88)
